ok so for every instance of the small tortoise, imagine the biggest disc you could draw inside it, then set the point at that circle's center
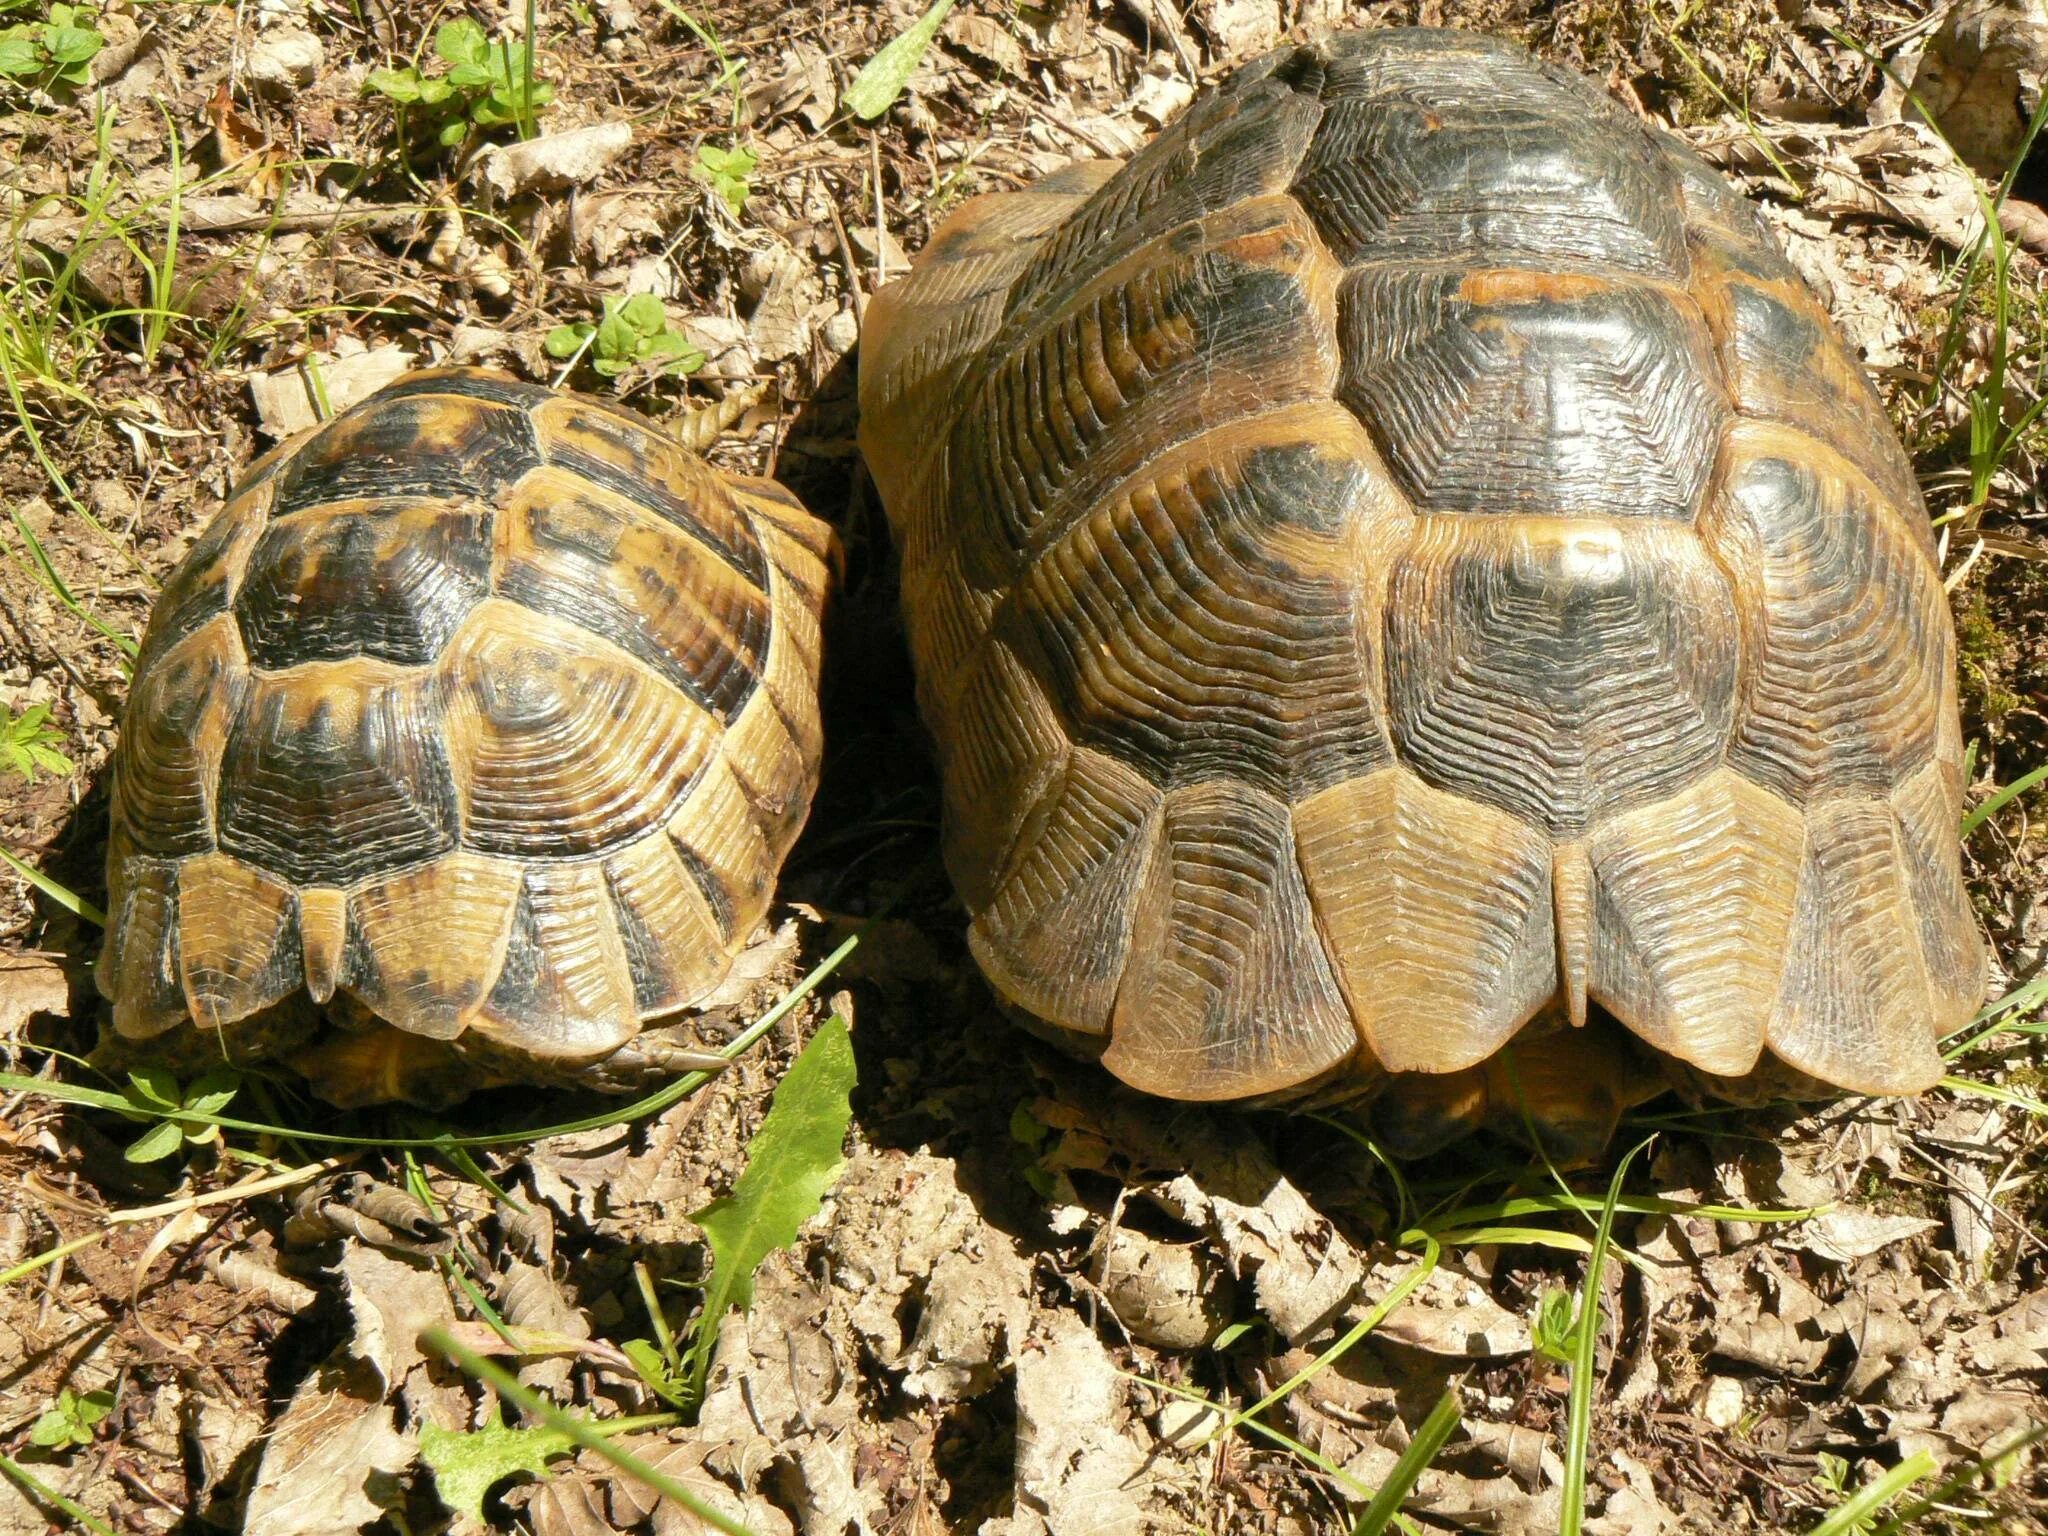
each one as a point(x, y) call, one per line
point(481, 714)
point(1403, 565)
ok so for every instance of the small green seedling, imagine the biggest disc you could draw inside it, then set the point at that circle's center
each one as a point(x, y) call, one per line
point(486, 85)
point(71, 1420)
point(630, 332)
point(727, 170)
point(1555, 1330)
point(28, 742)
point(154, 1094)
point(56, 52)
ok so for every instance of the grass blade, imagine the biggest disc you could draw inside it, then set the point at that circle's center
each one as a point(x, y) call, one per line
point(66, 898)
point(2002, 798)
point(1441, 1424)
point(1585, 1344)
point(1848, 1517)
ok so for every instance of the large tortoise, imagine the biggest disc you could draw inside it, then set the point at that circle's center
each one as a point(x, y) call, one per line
point(1402, 565)
point(482, 716)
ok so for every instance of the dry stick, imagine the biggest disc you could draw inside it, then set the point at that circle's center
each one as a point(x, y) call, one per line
point(304, 1173)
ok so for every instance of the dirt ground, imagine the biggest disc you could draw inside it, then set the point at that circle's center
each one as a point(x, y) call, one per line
point(1024, 1278)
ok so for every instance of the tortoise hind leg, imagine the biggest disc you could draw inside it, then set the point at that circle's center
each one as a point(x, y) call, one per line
point(1562, 1089)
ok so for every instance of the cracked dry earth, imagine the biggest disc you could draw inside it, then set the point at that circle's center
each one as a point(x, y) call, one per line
point(1027, 1285)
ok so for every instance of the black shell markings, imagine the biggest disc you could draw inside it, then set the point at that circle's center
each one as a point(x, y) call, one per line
point(390, 580)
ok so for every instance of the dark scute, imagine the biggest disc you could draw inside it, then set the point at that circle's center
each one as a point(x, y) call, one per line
point(1241, 140)
point(320, 804)
point(1029, 457)
point(1184, 645)
point(1555, 681)
point(407, 444)
point(743, 556)
point(1603, 403)
point(354, 584)
point(1441, 146)
point(713, 889)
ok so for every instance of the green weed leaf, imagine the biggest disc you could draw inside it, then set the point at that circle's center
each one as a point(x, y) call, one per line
point(71, 1420)
point(882, 78)
point(727, 171)
point(654, 1369)
point(467, 1464)
point(792, 1161)
point(153, 1088)
point(156, 1143)
point(28, 742)
point(20, 59)
point(462, 41)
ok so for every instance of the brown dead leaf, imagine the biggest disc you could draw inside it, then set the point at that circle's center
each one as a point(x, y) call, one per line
point(289, 402)
point(31, 983)
point(989, 41)
point(555, 160)
point(1848, 1232)
point(247, 158)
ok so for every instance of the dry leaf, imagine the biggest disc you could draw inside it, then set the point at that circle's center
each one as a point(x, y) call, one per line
point(30, 984)
point(288, 402)
point(555, 160)
point(1848, 1232)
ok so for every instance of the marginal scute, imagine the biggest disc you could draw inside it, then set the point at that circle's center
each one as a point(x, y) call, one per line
point(1928, 810)
point(1693, 908)
point(426, 945)
point(1227, 993)
point(1856, 1007)
point(1438, 915)
point(139, 970)
point(565, 992)
point(1000, 745)
point(175, 732)
point(1055, 932)
point(719, 838)
point(675, 946)
point(238, 939)
point(562, 745)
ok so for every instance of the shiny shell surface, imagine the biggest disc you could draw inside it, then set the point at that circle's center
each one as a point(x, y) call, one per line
point(1405, 554)
point(484, 706)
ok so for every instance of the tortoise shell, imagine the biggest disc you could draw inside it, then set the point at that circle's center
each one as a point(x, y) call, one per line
point(1404, 557)
point(487, 708)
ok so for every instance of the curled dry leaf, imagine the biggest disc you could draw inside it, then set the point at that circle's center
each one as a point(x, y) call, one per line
point(1980, 77)
point(338, 1443)
point(1174, 1295)
point(555, 160)
point(1848, 1232)
point(30, 984)
point(1084, 1460)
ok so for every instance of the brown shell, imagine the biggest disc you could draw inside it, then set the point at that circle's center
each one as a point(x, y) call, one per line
point(1403, 555)
point(488, 708)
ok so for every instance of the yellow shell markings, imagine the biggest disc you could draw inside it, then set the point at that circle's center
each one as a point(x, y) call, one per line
point(1389, 570)
point(453, 716)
